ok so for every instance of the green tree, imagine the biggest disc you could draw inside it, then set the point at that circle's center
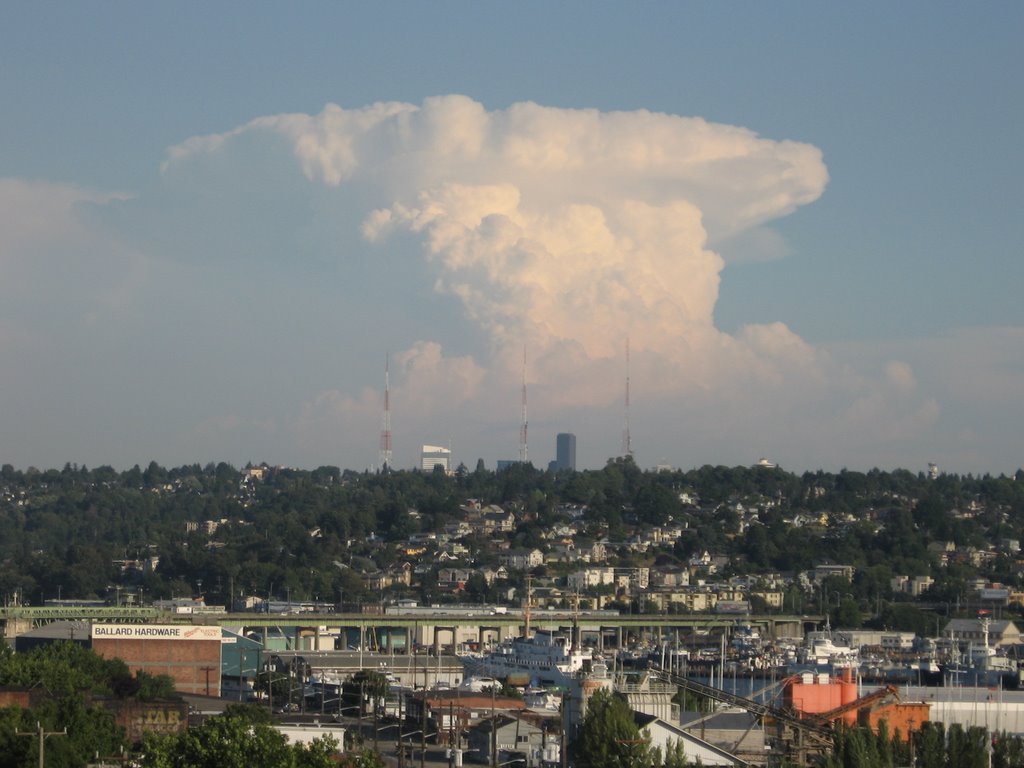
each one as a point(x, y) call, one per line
point(365, 758)
point(236, 739)
point(966, 748)
point(1007, 751)
point(931, 745)
point(675, 756)
point(609, 737)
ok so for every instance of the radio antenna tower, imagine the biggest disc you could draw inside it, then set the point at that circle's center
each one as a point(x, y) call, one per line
point(627, 441)
point(523, 450)
point(384, 458)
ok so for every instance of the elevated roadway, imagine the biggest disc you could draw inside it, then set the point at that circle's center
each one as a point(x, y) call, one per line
point(20, 619)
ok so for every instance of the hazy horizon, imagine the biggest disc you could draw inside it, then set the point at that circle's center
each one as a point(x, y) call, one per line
point(216, 223)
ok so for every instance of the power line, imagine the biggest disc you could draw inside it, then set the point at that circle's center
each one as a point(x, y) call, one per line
point(42, 738)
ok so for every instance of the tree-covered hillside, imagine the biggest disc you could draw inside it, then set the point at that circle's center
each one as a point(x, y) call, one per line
point(315, 535)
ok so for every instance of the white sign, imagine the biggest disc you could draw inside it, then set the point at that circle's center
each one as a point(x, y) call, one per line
point(153, 632)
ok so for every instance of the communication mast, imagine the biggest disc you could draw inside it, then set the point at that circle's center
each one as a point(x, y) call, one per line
point(627, 442)
point(384, 458)
point(523, 449)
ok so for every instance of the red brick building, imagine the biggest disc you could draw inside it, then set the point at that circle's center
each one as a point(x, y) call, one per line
point(189, 654)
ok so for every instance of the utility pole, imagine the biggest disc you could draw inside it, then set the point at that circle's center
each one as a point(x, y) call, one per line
point(376, 706)
point(423, 715)
point(494, 733)
point(270, 690)
point(451, 734)
point(207, 670)
point(102, 762)
point(401, 747)
point(42, 738)
point(563, 753)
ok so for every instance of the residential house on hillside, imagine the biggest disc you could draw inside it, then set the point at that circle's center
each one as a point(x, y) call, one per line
point(823, 571)
point(492, 575)
point(497, 520)
point(911, 586)
point(670, 577)
point(453, 578)
point(940, 551)
point(561, 531)
point(397, 575)
point(589, 578)
point(458, 529)
point(573, 511)
point(521, 559)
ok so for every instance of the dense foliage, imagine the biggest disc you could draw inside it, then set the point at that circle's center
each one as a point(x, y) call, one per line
point(240, 738)
point(932, 747)
point(66, 682)
point(608, 737)
point(313, 535)
point(67, 669)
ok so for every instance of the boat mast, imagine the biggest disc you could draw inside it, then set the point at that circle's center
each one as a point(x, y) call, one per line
point(575, 642)
point(526, 609)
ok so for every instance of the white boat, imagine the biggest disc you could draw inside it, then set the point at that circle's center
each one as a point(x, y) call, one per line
point(821, 653)
point(545, 659)
point(542, 699)
point(479, 684)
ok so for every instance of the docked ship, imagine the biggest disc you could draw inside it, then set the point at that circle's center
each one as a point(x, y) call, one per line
point(984, 666)
point(821, 653)
point(545, 659)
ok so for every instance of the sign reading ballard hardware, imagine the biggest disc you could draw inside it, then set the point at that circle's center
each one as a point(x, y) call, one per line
point(154, 632)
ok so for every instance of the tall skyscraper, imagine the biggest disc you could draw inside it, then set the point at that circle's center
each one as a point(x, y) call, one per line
point(565, 451)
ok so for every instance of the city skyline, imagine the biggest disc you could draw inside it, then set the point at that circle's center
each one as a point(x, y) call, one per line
point(802, 223)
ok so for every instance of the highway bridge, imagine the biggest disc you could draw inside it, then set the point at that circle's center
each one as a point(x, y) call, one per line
point(430, 625)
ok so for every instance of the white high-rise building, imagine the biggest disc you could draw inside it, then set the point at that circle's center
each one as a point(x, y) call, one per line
point(435, 455)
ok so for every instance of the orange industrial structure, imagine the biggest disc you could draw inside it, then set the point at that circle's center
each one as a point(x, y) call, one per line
point(826, 699)
point(816, 694)
point(899, 718)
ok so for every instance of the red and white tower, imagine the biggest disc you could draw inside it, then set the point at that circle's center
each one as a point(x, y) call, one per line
point(384, 458)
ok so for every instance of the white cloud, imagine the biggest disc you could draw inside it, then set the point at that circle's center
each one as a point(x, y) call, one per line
point(37, 217)
point(974, 377)
point(554, 225)
point(454, 236)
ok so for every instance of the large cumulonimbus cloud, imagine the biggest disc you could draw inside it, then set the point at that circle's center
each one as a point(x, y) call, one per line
point(560, 227)
point(569, 231)
point(239, 306)
point(557, 222)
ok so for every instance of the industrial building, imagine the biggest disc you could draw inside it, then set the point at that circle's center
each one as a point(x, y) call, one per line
point(190, 655)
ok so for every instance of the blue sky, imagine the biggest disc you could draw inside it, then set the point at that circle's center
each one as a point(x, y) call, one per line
point(182, 299)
